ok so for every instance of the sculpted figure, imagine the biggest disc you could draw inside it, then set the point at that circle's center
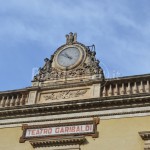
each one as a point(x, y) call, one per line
point(93, 53)
point(71, 38)
point(67, 39)
point(51, 58)
point(47, 65)
point(75, 38)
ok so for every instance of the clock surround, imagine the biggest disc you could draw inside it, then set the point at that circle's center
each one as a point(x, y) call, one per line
point(70, 60)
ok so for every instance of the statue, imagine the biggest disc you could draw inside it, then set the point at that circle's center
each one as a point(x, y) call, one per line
point(67, 39)
point(75, 37)
point(47, 65)
point(51, 58)
point(93, 53)
point(71, 38)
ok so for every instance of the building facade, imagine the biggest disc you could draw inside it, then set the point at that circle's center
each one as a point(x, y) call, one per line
point(72, 106)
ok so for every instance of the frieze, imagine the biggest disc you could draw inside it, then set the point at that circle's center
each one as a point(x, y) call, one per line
point(65, 94)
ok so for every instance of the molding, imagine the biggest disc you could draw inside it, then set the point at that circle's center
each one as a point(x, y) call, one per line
point(58, 142)
point(144, 76)
point(76, 106)
point(111, 114)
point(64, 147)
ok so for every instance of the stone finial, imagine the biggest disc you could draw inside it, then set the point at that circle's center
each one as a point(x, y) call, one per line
point(71, 38)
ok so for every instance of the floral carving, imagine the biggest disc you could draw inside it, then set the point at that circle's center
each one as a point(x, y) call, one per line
point(65, 94)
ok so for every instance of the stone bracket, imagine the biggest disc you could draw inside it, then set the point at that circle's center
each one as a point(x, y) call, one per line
point(145, 135)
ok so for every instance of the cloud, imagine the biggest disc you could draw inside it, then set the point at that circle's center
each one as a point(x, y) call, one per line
point(33, 29)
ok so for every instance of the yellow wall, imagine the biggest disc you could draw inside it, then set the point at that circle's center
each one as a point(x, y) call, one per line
point(114, 134)
point(119, 134)
point(9, 140)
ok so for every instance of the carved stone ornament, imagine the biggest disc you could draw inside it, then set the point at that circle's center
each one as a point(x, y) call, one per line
point(65, 94)
point(88, 67)
point(71, 38)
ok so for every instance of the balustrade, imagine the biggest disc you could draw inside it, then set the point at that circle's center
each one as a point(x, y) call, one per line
point(114, 88)
point(13, 99)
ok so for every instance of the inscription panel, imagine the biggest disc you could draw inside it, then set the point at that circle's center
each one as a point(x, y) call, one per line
point(62, 130)
point(65, 94)
point(69, 94)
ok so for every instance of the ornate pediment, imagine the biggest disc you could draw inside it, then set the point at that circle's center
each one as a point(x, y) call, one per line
point(72, 60)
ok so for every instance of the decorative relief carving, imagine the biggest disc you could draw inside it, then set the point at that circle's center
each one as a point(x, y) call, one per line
point(89, 67)
point(65, 94)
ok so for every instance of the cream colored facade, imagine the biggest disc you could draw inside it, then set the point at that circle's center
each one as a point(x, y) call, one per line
point(77, 93)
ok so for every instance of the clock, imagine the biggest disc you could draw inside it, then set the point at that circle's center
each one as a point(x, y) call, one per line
point(69, 57)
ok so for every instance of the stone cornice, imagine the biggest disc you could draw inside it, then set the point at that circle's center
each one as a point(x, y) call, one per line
point(88, 105)
point(27, 89)
point(78, 140)
point(143, 76)
point(51, 86)
point(68, 85)
point(13, 91)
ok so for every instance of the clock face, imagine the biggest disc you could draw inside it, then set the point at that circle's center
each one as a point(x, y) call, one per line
point(68, 57)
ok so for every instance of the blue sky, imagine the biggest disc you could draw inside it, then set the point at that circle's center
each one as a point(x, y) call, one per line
point(31, 30)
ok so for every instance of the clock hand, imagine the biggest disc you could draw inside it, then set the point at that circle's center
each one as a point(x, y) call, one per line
point(68, 56)
point(64, 55)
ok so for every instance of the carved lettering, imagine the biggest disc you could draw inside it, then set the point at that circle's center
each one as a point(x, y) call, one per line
point(65, 94)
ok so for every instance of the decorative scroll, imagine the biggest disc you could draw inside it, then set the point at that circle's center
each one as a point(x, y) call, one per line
point(65, 94)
